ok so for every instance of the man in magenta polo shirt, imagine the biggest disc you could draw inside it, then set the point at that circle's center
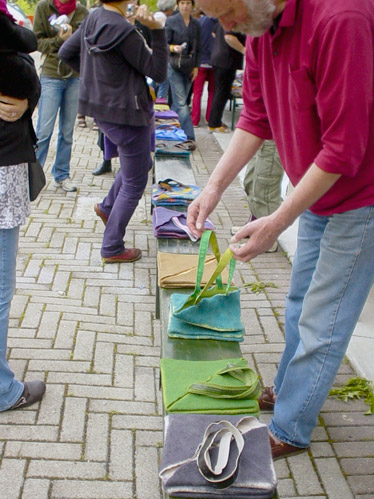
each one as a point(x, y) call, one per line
point(309, 85)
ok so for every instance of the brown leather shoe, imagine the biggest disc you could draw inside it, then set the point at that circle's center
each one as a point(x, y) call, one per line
point(281, 449)
point(100, 214)
point(33, 391)
point(129, 255)
point(267, 399)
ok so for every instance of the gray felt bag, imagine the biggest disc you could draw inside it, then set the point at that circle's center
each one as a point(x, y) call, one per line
point(215, 456)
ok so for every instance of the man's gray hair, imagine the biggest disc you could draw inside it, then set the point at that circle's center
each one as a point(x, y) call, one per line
point(164, 5)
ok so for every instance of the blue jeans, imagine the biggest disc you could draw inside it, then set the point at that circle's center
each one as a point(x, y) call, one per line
point(180, 86)
point(332, 274)
point(57, 95)
point(134, 149)
point(10, 388)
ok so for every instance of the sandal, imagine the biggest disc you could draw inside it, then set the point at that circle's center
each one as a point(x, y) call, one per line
point(82, 121)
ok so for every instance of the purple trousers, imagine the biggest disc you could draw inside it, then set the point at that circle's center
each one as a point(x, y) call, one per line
point(134, 146)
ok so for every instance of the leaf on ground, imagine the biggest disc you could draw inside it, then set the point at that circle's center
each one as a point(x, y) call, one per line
point(356, 388)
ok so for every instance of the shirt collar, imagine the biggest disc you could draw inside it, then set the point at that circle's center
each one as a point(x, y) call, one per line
point(289, 14)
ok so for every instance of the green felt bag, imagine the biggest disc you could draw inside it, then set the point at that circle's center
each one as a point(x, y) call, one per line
point(214, 311)
point(225, 386)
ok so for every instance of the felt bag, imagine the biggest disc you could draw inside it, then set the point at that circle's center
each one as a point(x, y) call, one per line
point(178, 270)
point(170, 192)
point(172, 224)
point(219, 457)
point(211, 312)
point(225, 386)
point(37, 179)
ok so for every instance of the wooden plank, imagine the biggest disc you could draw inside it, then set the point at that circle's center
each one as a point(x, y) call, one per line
point(177, 168)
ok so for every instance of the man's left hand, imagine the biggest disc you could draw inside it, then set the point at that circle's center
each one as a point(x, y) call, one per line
point(262, 235)
point(194, 73)
point(12, 109)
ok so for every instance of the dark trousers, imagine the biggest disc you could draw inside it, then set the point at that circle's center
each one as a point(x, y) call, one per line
point(134, 149)
point(223, 80)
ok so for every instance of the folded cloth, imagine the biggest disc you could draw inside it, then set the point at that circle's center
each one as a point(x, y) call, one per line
point(170, 224)
point(159, 106)
point(181, 458)
point(170, 132)
point(178, 270)
point(170, 192)
point(226, 386)
point(173, 148)
point(166, 114)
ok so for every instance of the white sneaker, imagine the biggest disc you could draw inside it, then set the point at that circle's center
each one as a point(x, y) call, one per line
point(66, 185)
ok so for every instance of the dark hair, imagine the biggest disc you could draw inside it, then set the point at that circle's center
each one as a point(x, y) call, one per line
point(192, 1)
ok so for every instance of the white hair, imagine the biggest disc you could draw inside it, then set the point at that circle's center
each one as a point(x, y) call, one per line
point(260, 17)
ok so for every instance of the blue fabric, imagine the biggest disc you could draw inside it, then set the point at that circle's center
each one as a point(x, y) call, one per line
point(10, 388)
point(170, 132)
point(332, 274)
point(57, 95)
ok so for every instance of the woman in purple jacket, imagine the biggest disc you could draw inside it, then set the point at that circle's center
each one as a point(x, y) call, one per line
point(113, 61)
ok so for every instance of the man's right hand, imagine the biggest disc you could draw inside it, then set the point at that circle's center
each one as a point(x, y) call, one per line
point(201, 208)
point(65, 34)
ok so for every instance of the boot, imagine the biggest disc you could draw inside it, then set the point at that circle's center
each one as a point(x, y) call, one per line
point(105, 167)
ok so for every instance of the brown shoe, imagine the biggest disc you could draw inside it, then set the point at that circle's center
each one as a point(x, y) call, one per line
point(33, 391)
point(129, 255)
point(281, 449)
point(267, 399)
point(100, 214)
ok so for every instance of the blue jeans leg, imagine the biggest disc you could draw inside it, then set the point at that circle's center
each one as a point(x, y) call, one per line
point(134, 146)
point(57, 95)
point(331, 278)
point(10, 388)
point(180, 86)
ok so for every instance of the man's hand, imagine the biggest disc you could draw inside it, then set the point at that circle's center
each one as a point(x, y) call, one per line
point(65, 34)
point(146, 18)
point(12, 109)
point(262, 235)
point(201, 208)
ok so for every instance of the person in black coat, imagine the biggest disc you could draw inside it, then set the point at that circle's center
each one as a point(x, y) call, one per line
point(19, 92)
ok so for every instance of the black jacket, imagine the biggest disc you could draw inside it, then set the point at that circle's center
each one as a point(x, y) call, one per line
point(17, 139)
point(113, 60)
point(177, 33)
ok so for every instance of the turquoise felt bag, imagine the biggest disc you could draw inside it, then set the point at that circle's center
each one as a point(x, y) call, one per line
point(214, 311)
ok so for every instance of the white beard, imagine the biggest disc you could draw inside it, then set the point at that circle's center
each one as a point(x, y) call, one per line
point(260, 14)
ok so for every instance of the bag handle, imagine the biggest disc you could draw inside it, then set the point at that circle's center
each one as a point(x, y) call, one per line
point(229, 441)
point(165, 184)
point(208, 237)
point(249, 389)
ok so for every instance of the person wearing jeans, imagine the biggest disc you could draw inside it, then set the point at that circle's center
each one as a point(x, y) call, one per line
point(60, 86)
point(184, 39)
point(59, 96)
point(308, 84)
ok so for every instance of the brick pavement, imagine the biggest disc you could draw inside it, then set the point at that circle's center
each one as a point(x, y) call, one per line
point(89, 330)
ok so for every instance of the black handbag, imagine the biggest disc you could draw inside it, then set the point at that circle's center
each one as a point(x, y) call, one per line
point(183, 63)
point(36, 179)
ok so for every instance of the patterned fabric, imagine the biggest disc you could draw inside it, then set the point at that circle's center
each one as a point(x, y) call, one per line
point(14, 195)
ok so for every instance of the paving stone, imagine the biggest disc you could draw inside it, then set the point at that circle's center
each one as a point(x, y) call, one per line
point(66, 469)
point(35, 488)
point(306, 479)
point(146, 472)
point(333, 479)
point(73, 421)
point(97, 437)
point(80, 489)
point(104, 357)
point(121, 455)
point(11, 477)
point(358, 466)
point(41, 450)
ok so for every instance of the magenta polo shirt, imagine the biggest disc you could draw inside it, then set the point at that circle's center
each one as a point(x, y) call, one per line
point(310, 86)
